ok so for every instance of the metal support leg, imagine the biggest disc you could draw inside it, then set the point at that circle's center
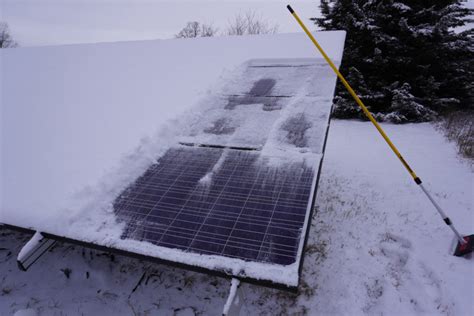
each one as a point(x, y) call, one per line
point(33, 250)
point(235, 299)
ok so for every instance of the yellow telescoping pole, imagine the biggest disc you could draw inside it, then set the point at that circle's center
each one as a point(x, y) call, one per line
point(355, 96)
point(418, 181)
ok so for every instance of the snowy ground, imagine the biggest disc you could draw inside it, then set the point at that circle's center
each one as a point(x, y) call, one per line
point(375, 246)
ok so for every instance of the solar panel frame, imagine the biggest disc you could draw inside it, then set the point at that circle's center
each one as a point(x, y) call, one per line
point(312, 203)
point(223, 273)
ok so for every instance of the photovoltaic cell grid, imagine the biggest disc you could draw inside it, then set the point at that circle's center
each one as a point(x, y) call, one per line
point(249, 210)
point(216, 194)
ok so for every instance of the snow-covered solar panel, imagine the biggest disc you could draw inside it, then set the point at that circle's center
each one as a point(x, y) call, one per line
point(93, 151)
point(240, 184)
point(246, 209)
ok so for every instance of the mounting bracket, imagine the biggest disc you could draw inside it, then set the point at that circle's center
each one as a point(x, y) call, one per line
point(33, 250)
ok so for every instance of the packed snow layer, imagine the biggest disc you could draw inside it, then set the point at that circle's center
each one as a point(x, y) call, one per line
point(376, 246)
point(72, 114)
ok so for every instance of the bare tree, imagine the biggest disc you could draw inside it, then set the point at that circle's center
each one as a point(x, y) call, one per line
point(195, 29)
point(250, 23)
point(255, 25)
point(247, 23)
point(6, 39)
point(208, 30)
point(192, 29)
point(237, 26)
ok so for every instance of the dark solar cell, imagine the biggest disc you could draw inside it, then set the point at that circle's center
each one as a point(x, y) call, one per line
point(247, 210)
point(257, 95)
point(262, 87)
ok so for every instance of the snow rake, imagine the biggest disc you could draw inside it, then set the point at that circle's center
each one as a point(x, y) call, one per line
point(465, 244)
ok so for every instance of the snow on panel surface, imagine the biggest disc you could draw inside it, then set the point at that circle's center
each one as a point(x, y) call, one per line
point(81, 122)
point(243, 113)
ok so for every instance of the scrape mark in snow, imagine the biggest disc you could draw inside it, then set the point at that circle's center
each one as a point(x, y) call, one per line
point(296, 128)
point(207, 179)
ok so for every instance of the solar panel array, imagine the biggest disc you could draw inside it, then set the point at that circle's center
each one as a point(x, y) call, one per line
point(215, 192)
point(233, 187)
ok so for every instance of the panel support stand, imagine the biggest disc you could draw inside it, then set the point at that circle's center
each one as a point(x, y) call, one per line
point(33, 250)
point(235, 299)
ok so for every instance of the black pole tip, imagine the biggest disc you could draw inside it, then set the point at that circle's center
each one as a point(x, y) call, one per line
point(290, 9)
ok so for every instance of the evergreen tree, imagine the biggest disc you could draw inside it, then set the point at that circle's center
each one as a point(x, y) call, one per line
point(405, 107)
point(404, 58)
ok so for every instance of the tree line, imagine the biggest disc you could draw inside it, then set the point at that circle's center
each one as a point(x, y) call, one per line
point(248, 23)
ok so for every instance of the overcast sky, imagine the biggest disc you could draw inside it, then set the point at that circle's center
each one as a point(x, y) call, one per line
point(52, 22)
point(55, 22)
